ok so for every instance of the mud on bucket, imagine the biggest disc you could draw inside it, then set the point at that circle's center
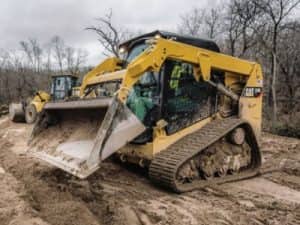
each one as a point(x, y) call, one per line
point(77, 139)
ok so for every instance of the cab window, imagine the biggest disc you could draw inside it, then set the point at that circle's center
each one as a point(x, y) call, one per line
point(185, 100)
point(136, 51)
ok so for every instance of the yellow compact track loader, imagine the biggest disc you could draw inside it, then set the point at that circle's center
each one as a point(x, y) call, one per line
point(185, 111)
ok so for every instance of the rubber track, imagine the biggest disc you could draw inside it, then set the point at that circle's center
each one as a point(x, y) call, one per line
point(164, 167)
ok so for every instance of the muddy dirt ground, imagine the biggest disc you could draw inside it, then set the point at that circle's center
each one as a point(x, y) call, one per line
point(33, 193)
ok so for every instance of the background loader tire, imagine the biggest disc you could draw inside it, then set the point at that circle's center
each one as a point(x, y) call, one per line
point(30, 114)
point(16, 112)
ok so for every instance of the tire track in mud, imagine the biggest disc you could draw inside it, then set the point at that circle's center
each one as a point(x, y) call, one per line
point(49, 201)
point(117, 194)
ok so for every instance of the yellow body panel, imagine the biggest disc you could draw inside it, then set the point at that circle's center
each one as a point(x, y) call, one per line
point(39, 100)
point(161, 141)
point(250, 109)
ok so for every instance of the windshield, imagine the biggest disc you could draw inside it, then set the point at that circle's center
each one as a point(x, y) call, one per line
point(135, 51)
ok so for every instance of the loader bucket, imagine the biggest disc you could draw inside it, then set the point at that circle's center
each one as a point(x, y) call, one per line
point(77, 136)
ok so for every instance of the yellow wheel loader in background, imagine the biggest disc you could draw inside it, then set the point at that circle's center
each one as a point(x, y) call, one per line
point(63, 88)
point(188, 113)
point(27, 111)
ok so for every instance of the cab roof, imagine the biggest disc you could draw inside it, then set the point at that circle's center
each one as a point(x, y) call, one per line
point(197, 42)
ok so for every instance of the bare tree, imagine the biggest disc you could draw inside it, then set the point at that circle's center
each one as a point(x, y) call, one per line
point(75, 59)
point(33, 51)
point(29, 68)
point(201, 22)
point(37, 53)
point(28, 51)
point(4, 83)
point(275, 11)
point(289, 66)
point(59, 51)
point(48, 57)
point(191, 22)
point(109, 35)
point(212, 20)
point(233, 31)
point(264, 31)
point(247, 22)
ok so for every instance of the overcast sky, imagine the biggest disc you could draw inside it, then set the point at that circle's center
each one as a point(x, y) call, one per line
point(42, 19)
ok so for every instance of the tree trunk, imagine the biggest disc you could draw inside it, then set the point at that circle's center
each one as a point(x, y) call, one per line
point(273, 87)
point(7, 87)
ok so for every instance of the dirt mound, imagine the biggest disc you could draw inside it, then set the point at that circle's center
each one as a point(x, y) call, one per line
point(34, 193)
point(68, 126)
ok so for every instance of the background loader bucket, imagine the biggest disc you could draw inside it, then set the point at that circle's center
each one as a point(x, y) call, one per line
point(78, 135)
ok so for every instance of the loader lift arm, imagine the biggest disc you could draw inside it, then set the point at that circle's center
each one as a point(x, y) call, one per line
point(203, 60)
point(107, 66)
